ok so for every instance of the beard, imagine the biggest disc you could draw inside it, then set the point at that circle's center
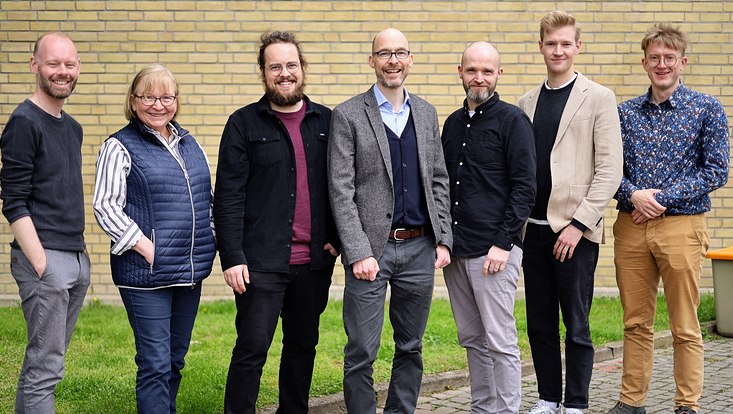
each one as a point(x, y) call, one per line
point(54, 91)
point(290, 99)
point(391, 83)
point(478, 97)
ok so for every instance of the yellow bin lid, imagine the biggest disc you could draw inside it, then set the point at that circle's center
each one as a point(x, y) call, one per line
point(721, 254)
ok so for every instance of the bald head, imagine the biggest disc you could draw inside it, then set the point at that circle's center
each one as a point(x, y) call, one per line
point(391, 69)
point(55, 61)
point(51, 38)
point(387, 36)
point(481, 50)
point(479, 70)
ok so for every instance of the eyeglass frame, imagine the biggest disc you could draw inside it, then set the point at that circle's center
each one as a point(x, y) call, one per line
point(391, 53)
point(661, 59)
point(156, 99)
point(276, 69)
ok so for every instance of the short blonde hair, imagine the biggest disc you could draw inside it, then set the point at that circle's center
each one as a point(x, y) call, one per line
point(557, 19)
point(665, 33)
point(149, 78)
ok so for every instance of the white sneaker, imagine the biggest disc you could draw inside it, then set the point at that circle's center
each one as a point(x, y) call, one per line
point(573, 411)
point(545, 407)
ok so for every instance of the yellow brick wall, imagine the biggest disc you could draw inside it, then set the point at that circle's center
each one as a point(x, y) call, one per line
point(211, 47)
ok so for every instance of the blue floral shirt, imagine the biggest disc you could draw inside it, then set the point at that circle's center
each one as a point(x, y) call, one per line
point(681, 147)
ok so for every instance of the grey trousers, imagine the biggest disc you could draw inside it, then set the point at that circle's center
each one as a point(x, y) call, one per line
point(409, 268)
point(50, 305)
point(483, 308)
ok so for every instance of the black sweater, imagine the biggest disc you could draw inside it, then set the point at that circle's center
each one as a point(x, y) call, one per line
point(41, 175)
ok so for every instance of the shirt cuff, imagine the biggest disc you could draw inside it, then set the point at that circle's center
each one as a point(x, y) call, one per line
point(129, 238)
point(578, 225)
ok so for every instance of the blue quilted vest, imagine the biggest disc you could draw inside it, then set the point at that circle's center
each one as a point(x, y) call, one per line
point(170, 203)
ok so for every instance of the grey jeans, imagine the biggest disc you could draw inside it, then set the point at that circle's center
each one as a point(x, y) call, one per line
point(409, 268)
point(483, 308)
point(50, 305)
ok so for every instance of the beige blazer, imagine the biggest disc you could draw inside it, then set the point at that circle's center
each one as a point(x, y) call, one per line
point(587, 159)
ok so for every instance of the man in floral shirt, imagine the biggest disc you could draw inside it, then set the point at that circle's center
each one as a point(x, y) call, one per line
point(676, 151)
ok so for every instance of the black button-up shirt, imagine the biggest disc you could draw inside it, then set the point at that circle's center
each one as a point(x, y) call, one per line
point(254, 199)
point(491, 163)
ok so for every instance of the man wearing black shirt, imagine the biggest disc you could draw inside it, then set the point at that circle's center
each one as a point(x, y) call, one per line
point(579, 162)
point(489, 153)
point(43, 200)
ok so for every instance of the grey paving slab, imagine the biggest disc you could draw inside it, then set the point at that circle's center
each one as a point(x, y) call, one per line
point(717, 394)
point(448, 393)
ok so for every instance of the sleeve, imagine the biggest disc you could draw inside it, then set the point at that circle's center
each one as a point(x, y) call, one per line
point(522, 169)
point(230, 192)
point(441, 190)
point(607, 159)
point(713, 161)
point(626, 187)
point(110, 196)
point(342, 188)
point(18, 145)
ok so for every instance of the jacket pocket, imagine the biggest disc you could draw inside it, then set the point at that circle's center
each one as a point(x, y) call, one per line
point(265, 150)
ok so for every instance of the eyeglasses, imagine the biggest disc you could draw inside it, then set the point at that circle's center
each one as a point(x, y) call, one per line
point(669, 61)
point(165, 100)
point(277, 68)
point(386, 54)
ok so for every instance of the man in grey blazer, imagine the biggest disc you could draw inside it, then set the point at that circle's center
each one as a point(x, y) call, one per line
point(579, 166)
point(389, 195)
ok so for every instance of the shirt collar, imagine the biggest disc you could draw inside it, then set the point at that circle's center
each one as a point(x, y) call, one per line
point(674, 100)
point(175, 137)
point(383, 102)
point(494, 97)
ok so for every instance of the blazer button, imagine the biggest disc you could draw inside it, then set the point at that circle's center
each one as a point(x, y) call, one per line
point(389, 215)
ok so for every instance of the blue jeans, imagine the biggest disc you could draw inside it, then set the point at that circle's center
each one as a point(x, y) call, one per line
point(551, 286)
point(162, 321)
point(51, 306)
point(409, 268)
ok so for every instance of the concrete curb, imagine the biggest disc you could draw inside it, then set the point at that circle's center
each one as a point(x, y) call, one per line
point(334, 403)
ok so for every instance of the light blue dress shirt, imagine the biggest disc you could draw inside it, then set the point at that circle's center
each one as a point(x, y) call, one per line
point(395, 120)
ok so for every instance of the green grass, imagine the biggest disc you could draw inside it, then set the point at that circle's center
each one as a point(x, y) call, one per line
point(100, 370)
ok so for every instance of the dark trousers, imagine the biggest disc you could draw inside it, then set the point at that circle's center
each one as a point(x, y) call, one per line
point(162, 321)
point(550, 285)
point(298, 297)
point(409, 269)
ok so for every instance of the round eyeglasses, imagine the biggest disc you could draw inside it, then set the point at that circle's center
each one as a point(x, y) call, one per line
point(165, 100)
point(669, 61)
point(276, 69)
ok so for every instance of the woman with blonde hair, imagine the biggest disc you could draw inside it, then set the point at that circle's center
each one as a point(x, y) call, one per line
point(153, 198)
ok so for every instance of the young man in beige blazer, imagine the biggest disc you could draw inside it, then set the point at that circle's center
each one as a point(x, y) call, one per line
point(579, 167)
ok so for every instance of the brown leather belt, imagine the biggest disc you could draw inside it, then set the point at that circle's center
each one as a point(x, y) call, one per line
point(400, 234)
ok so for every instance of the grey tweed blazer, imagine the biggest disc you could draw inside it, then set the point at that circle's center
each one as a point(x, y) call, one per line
point(360, 175)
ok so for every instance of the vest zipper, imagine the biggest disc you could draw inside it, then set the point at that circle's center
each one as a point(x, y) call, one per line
point(182, 164)
point(193, 226)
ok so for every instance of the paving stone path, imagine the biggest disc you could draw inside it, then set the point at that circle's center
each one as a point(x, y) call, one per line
point(717, 395)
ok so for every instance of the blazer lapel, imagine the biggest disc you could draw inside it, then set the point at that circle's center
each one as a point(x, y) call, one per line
point(375, 120)
point(532, 102)
point(575, 100)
